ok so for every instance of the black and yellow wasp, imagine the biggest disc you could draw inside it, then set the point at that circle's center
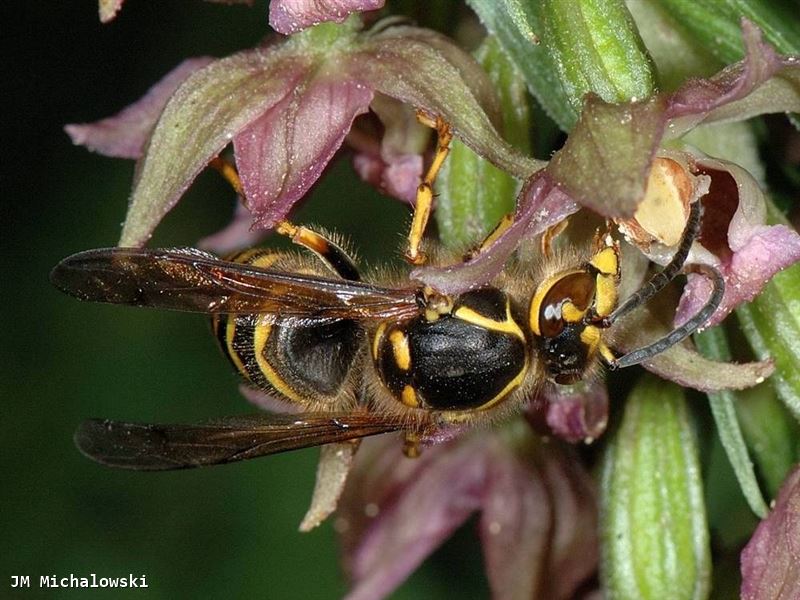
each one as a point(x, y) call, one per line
point(360, 358)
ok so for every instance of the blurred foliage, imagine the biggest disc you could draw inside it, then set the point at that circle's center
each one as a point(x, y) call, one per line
point(224, 531)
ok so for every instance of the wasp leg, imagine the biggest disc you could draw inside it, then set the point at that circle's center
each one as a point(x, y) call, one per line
point(422, 209)
point(549, 235)
point(333, 255)
point(411, 444)
point(228, 172)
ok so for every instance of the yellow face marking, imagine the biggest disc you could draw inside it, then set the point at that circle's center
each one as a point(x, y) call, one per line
point(409, 397)
point(376, 341)
point(606, 353)
point(571, 313)
point(606, 261)
point(590, 336)
point(605, 296)
point(508, 325)
point(402, 354)
point(539, 296)
point(260, 338)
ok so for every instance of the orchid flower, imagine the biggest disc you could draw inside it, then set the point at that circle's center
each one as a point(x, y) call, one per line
point(630, 158)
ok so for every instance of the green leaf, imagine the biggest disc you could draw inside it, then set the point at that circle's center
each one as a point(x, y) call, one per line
point(676, 54)
point(597, 49)
point(653, 520)
point(771, 324)
point(716, 24)
point(517, 26)
point(770, 433)
point(473, 194)
point(713, 344)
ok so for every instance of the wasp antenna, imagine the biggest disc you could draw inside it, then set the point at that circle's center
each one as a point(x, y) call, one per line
point(660, 280)
point(681, 333)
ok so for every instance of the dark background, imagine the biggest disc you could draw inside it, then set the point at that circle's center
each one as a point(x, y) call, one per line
point(224, 531)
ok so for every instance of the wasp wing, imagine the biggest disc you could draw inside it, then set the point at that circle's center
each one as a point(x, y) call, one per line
point(192, 280)
point(158, 447)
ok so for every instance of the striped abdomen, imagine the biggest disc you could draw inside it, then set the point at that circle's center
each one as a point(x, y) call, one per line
point(305, 365)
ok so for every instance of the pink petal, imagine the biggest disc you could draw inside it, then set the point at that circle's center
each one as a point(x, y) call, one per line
point(282, 153)
point(539, 521)
point(574, 545)
point(740, 91)
point(605, 161)
point(539, 205)
point(429, 72)
point(291, 16)
point(399, 177)
point(394, 164)
point(515, 526)
point(577, 413)
point(201, 118)
point(237, 235)
point(399, 510)
point(771, 558)
point(125, 134)
point(739, 243)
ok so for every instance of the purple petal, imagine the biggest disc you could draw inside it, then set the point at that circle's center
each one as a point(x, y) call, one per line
point(205, 113)
point(394, 164)
point(740, 91)
point(574, 545)
point(739, 243)
point(538, 525)
point(539, 206)
point(125, 134)
point(515, 526)
point(399, 510)
point(291, 16)
point(771, 558)
point(577, 413)
point(237, 235)
point(399, 177)
point(282, 153)
point(426, 70)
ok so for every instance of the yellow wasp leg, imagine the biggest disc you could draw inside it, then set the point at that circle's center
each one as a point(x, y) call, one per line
point(228, 171)
point(330, 253)
point(550, 234)
point(422, 210)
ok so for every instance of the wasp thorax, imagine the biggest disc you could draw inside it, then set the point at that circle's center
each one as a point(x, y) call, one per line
point(470, 358)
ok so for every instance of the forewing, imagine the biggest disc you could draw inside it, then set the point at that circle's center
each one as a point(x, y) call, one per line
point(154, 447)
point(192, 280)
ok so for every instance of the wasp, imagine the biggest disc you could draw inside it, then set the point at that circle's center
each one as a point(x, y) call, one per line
point(356, 357)
point(360, 358)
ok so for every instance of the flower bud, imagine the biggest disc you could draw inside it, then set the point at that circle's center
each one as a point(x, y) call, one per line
point(653, 522)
